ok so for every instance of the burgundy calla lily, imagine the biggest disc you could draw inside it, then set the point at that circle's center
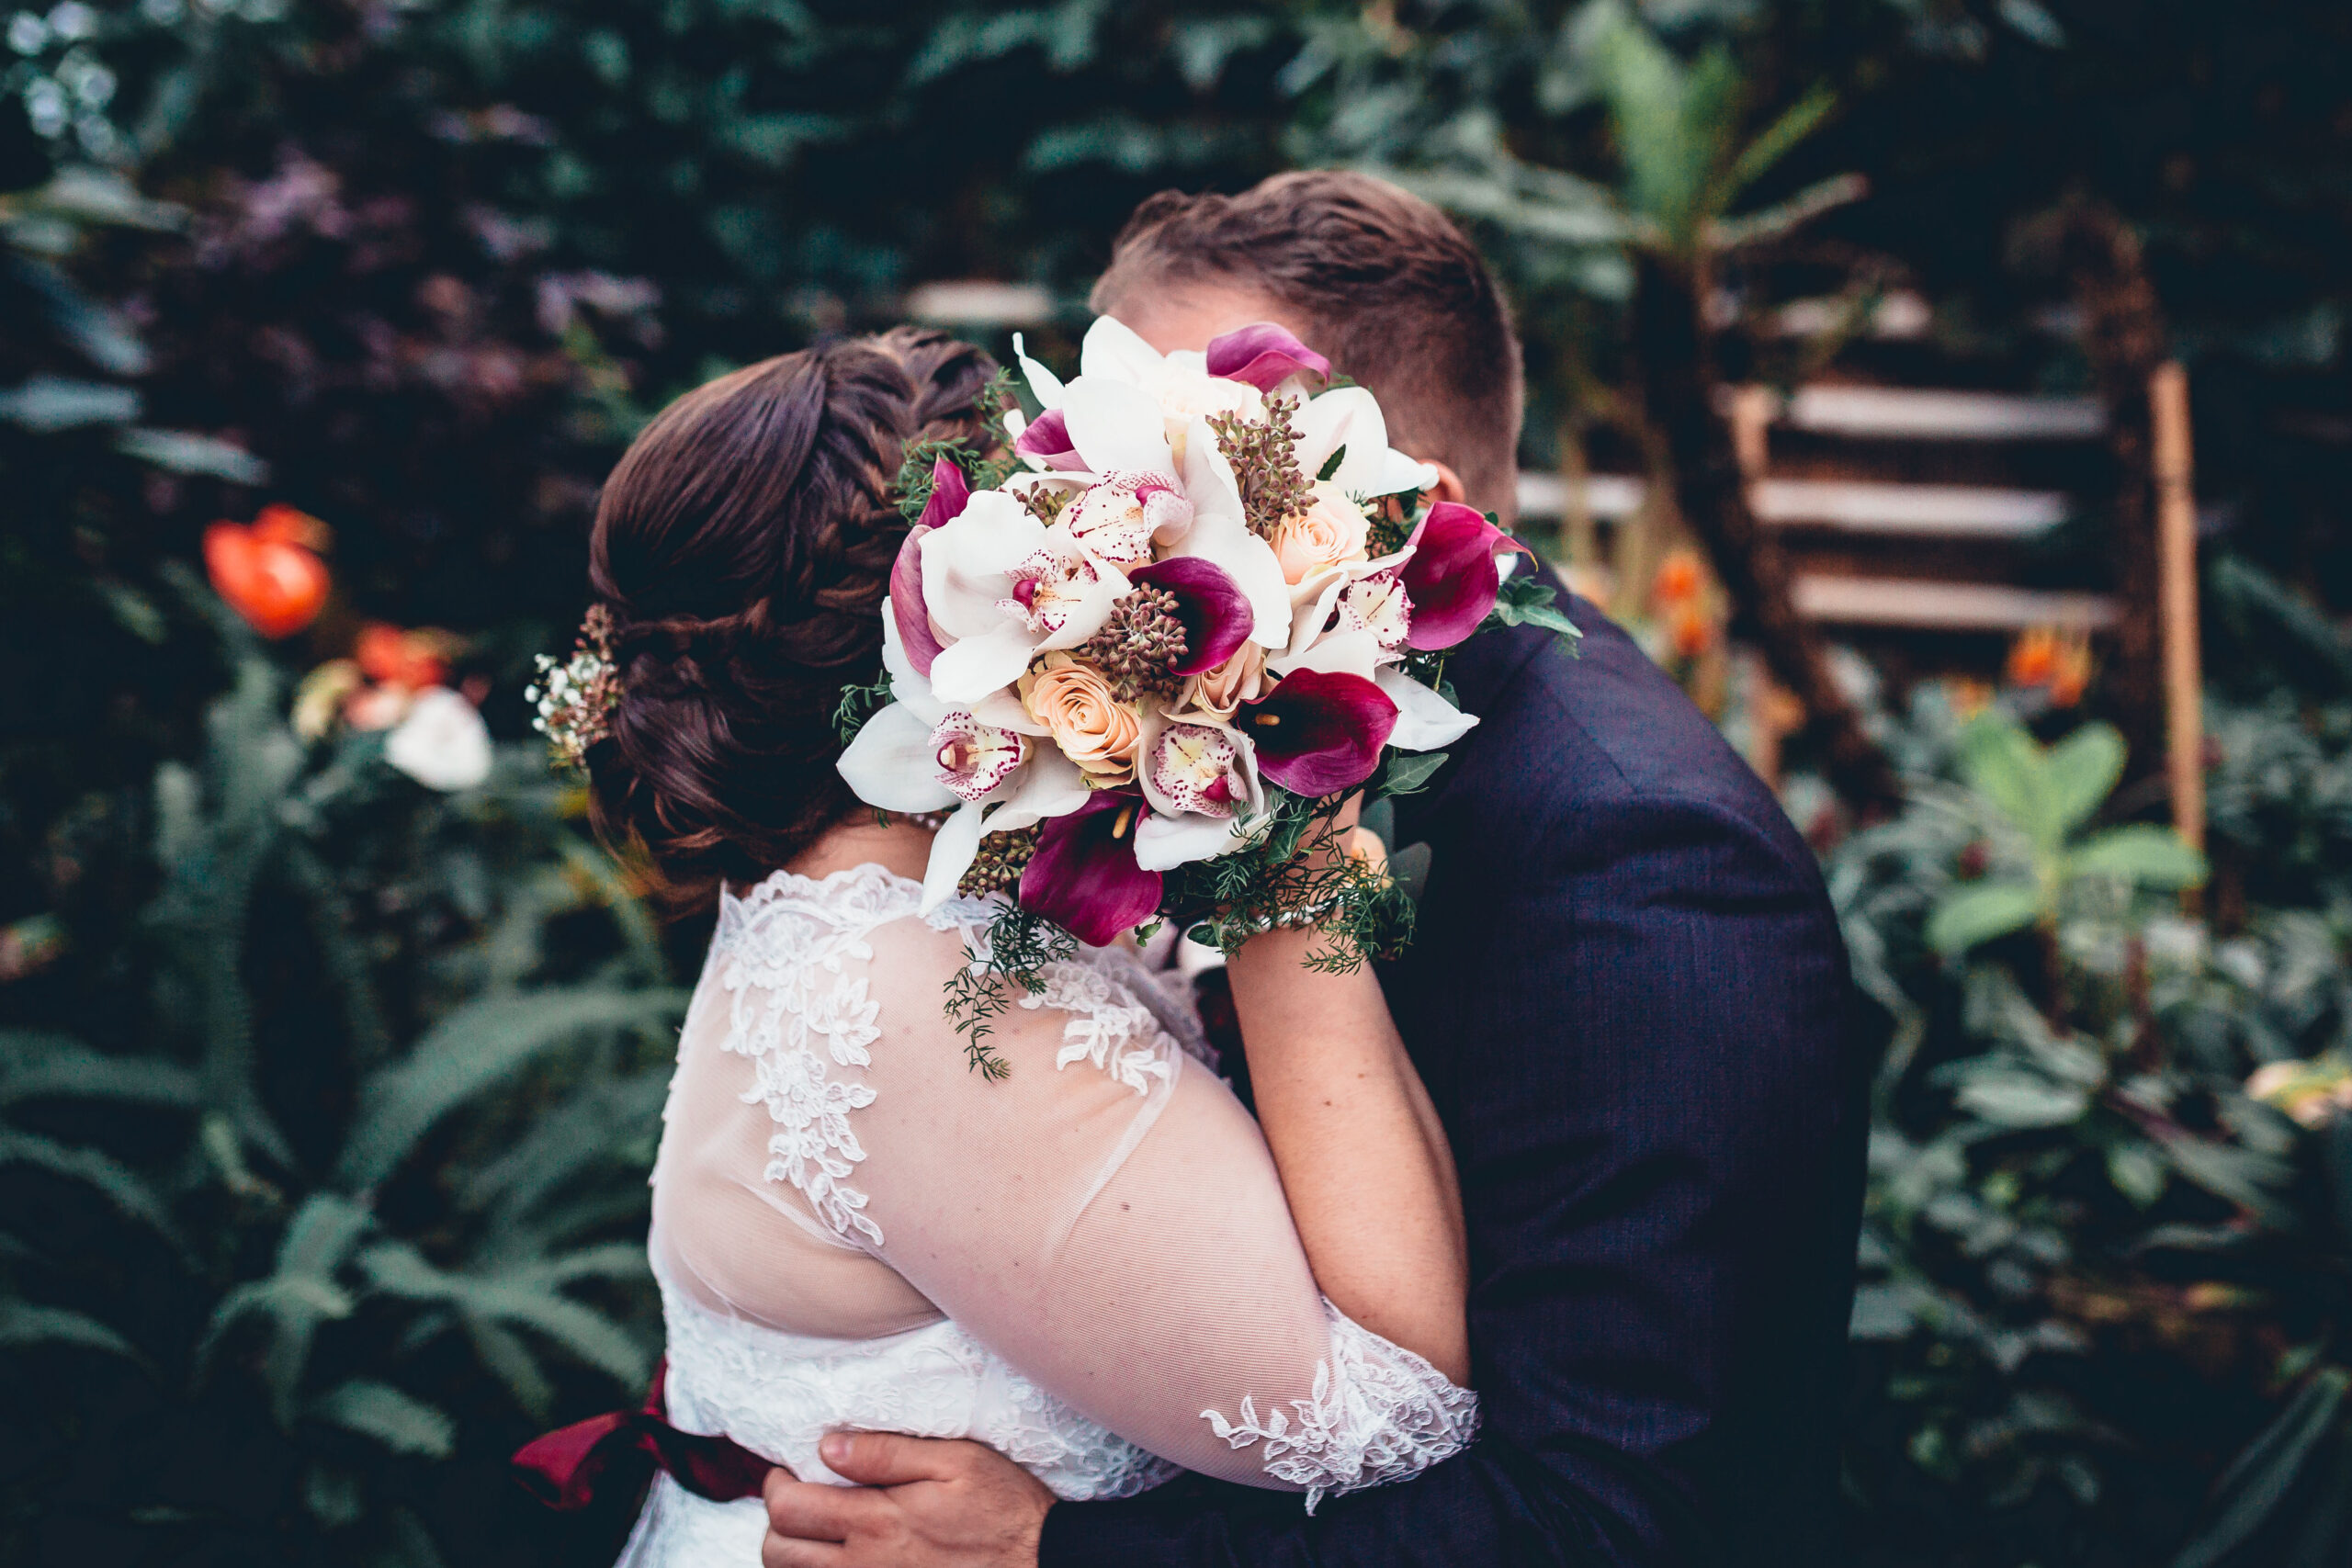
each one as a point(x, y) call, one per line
point(907, 607)
point(1451, 579)
point(1217, 614)
point(1084, 876)
point(1319, 733)
point(1263, 354)
point(950, 493)
point(1047, 437)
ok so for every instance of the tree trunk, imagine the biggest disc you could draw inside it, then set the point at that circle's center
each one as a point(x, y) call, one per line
point(1674, 360)
point(2125, 341)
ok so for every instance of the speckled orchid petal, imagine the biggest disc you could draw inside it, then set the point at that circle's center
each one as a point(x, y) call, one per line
point(1215, 614)
point(1084, 877)
point(1318, 732)
point(1263, 354)
point(1451, 579)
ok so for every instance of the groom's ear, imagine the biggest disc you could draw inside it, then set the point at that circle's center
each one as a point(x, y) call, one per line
point(1449, 486)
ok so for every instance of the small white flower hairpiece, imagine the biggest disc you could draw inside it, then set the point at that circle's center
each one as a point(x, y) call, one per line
point(576, 698)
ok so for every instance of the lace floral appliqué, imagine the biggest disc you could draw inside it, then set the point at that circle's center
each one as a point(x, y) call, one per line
point(1377, 1413)
point(794, 1008)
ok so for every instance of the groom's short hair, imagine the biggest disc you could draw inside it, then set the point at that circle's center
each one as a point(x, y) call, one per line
point(1387, 287)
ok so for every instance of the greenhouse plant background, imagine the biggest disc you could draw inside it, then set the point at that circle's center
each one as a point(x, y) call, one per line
point(333, 1048)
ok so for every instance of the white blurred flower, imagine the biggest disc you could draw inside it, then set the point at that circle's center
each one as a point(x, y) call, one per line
point(443, 743)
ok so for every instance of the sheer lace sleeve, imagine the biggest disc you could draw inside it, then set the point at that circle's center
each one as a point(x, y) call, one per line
point(1107, 1218)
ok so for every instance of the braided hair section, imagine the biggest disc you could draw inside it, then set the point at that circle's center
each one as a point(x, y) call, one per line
point(743, 548)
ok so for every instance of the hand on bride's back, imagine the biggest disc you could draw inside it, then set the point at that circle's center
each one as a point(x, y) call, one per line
point(920, 1503)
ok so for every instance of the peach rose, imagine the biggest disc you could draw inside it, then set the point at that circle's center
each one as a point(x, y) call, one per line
point(1093, 728)
point(1332, 529)
point(1220, 693)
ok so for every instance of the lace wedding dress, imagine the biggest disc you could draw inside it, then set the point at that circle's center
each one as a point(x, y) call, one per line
point(1087, 1266)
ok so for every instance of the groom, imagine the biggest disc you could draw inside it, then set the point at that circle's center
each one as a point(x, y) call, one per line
point(1629, 1001)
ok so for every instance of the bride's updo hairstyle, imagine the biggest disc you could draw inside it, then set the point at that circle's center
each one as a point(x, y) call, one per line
point(742, 549)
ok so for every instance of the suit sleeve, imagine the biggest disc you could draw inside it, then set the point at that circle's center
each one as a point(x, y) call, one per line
point(1650, 1139)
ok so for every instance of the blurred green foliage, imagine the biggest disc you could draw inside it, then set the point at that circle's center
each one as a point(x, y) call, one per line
point(325, 1100)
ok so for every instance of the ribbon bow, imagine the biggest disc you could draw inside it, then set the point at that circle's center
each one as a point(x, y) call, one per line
point(564, 1468)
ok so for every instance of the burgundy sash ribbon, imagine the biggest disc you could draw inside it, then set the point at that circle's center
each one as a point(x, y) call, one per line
point(564, 1468)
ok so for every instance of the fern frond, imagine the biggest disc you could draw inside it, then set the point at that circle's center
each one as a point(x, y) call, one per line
point(473, 1048)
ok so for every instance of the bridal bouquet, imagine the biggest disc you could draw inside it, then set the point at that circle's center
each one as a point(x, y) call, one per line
point(1144, 656)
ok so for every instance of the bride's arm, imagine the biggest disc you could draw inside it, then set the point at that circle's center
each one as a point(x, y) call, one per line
point(1108, 1219)
point(1364, 1161)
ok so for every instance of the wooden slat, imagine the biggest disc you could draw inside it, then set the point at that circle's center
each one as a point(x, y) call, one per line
point(979, 302)
point(1942, 511)
point(1855, 506)
point(1918, 415)
point(1947, 606)
point(2176, 541)
point(1608, 496)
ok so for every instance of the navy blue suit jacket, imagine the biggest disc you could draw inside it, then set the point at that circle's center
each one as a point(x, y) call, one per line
point(1629, 1000)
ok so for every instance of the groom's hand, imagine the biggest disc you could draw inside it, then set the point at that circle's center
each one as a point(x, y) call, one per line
point(918, 1503)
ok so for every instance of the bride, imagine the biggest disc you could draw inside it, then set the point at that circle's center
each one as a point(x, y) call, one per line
point(1099, 1265)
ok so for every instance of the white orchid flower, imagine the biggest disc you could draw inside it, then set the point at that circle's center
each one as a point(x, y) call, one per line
point(1047, 784)
point(1425, 721)
point(1003, 588)
point(442, 743)
point(919, 754)
point(1200, 777)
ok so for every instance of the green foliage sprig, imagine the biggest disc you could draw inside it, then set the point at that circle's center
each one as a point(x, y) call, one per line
point(859, 702)
point(985, 464)
point(1014, 955)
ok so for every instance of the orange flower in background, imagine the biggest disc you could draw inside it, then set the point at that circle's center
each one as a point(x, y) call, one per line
point(2033, 657)
point(1692, 632)
point(400, 657)
point(1680, 578)
point(285, 524)
point(2057, 662)
point(270, 572)
point(2073, 676)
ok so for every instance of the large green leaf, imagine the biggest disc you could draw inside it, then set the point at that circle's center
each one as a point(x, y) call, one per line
point(400, 1421)
point(2081, 772)
point(1981, 911)
point(26, 1325)
point(2142, 855)
point(40, 1066)
point(2021, 1100)
point(2001, 762)
point(116, 1181)
point(513, 1298)
point(475, 1047)
point(594, 1127)
point(2261, 1476)
point(1800, 119)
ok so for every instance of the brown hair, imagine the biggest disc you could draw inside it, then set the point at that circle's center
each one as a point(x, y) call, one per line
point(744, 546)
point(1390, 289)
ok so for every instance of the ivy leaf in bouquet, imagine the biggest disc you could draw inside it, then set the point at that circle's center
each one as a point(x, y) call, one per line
point(1138, 663)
